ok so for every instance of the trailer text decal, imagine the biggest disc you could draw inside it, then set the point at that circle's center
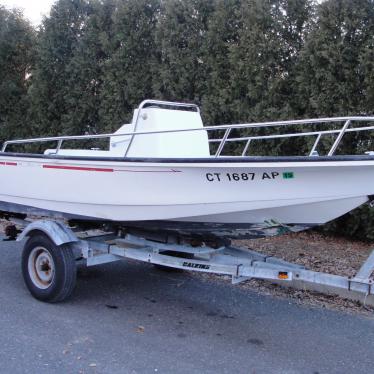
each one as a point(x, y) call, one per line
point(236, 177)
point(196, 266)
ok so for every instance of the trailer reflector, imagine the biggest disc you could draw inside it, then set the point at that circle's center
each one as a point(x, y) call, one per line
point(283, 275)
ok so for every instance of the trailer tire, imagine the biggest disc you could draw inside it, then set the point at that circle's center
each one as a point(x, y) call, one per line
point(49, 271)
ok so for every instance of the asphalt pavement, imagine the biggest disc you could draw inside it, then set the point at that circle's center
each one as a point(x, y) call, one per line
point(129, 317)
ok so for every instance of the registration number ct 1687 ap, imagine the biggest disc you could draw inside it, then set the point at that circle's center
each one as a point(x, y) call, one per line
point(236, 177)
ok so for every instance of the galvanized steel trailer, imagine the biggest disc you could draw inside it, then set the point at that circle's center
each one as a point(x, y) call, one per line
point(52, 249)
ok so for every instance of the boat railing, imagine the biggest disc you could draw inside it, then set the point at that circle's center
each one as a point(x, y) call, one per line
point(318, 134)
point(343, 125)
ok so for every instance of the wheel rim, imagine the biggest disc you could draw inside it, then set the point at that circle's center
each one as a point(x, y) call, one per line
point(41, 267)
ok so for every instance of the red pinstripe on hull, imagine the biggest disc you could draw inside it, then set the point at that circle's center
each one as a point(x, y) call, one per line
point(80, 168)
point(8, 163)
point(108, 170)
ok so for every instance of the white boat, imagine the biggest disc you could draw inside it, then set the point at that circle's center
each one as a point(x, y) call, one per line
point(160, 172)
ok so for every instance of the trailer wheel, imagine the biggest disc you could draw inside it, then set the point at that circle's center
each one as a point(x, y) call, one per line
point(49, 271)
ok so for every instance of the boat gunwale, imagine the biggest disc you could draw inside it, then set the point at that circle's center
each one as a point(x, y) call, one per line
point(209, 160)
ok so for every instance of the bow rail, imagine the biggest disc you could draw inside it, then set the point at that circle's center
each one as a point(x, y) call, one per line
point(344, 123)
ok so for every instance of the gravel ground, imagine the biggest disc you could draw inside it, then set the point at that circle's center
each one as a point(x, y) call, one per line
point(315, 251)
point(318, 252)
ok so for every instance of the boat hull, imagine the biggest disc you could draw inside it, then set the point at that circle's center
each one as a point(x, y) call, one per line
point(251, 195)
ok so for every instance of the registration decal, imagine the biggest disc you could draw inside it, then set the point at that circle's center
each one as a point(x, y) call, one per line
point(247, 177)
point(288, 175)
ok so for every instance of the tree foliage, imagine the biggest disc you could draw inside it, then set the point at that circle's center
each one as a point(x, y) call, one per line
point(129, 73)
point(92, 62)
point(335, 64)
point(54, 101)
point(17, 39)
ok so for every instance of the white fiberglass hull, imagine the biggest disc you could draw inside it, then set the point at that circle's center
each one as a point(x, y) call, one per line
point(236, 193)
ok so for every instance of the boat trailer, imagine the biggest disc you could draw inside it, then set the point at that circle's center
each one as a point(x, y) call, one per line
point(52, 249)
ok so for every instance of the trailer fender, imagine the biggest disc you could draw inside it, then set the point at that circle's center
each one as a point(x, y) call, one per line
point(59, 233)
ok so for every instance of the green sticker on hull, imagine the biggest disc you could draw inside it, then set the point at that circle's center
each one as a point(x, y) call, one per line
point(288, 175)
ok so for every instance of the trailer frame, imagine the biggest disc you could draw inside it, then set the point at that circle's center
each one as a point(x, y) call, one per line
point(97, 247)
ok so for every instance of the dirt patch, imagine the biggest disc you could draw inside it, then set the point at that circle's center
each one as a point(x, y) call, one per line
point(315, 251)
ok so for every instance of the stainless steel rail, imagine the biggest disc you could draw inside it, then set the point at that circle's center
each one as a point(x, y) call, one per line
point(343, 122)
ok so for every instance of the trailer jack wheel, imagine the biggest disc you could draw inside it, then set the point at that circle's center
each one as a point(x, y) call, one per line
point(49, 271)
